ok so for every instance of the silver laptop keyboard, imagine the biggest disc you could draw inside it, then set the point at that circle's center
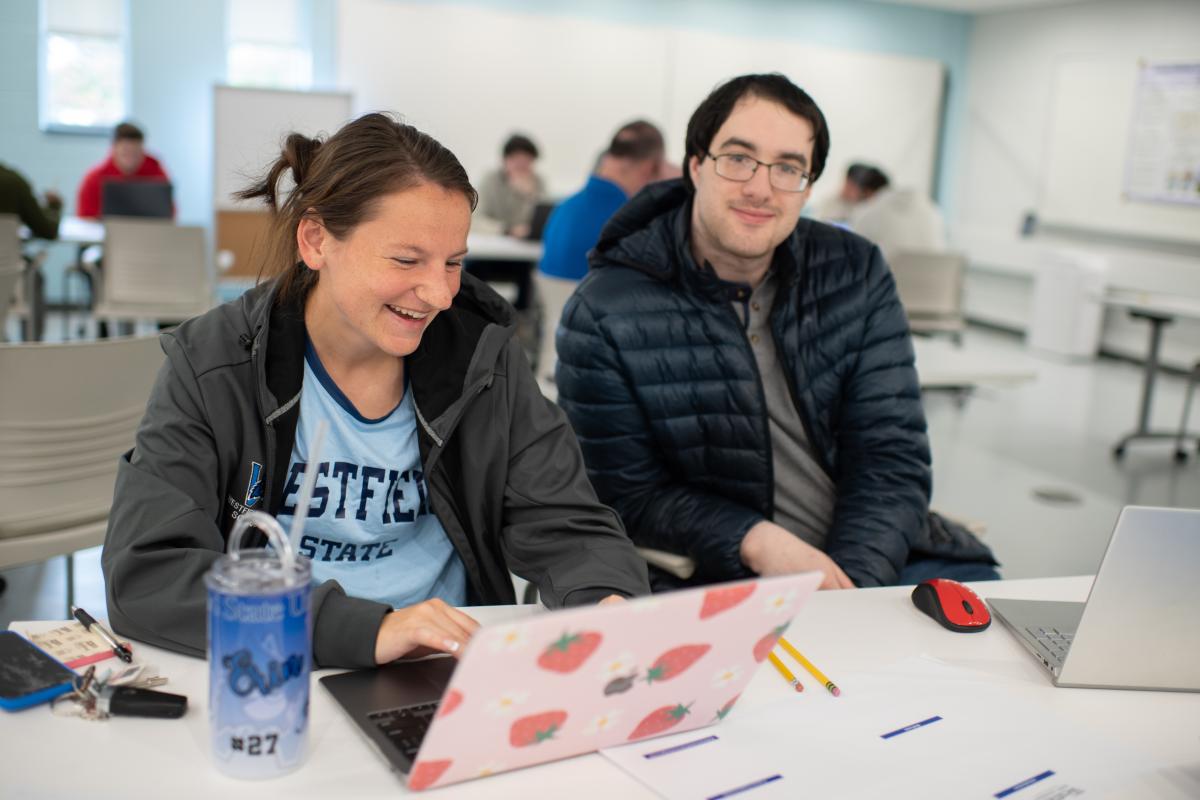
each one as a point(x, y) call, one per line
point(1054, 641)
point(406, 726)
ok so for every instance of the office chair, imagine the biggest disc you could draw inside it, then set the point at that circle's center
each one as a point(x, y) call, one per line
point(930, 285)
point(67, 413)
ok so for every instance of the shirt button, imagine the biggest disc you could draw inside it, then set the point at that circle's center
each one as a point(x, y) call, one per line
point(754, 306)
point(741, 294)
point(754, 338)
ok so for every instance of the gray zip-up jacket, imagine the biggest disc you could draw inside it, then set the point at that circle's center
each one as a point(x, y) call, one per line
point(504, 470)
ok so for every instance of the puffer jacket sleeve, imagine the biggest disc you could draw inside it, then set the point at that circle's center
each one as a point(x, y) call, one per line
point(557, 535)
point(163, 535)
point(883, 464)
point(624, 460)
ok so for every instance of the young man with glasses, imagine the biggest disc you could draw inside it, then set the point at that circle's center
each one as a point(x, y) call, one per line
point(742, 380)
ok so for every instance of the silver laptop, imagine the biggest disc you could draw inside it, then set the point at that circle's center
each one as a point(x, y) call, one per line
point(1140, 626)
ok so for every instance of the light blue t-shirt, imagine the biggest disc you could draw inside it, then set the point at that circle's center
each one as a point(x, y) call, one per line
point(369, 525)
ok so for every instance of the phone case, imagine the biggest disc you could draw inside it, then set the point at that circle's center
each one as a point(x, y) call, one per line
point(29, 676)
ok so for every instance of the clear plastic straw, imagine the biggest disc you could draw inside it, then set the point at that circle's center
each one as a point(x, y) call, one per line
point(306, 489)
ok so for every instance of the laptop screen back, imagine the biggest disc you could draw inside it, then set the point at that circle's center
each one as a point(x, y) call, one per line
point(1141, 625)
point(137, 198)
point(569, 682)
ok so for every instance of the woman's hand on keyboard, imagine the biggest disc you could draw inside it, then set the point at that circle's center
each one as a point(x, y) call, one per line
point(428, 627)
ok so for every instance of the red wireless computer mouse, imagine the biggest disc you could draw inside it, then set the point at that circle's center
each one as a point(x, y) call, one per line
point(953, 605)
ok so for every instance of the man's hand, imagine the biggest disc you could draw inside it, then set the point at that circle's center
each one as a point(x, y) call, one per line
point(428, 627)
point(612, 598)
point(53, 199)
point(769, 549)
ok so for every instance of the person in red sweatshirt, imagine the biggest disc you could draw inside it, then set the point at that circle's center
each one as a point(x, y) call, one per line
point(128, 159)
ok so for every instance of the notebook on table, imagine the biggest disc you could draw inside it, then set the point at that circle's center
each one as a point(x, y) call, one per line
point(1139, 627)
point(568, 682)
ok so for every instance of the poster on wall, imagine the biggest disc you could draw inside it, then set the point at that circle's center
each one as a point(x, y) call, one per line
point(1163, 161)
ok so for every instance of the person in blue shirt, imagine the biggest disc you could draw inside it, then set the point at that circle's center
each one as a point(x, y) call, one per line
point(634, 158)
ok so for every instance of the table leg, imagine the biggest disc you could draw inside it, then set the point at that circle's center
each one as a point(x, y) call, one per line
point(1148, 379)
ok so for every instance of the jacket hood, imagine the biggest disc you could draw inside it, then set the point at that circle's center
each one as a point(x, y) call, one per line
point(646, 230)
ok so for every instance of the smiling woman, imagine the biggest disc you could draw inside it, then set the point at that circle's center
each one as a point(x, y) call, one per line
point(443, 468)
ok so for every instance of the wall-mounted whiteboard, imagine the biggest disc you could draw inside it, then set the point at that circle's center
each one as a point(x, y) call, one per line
point(470, 76)
point(1091, 123)
point(249, 126)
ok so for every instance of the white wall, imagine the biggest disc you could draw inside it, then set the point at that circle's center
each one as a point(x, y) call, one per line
point(1013, 62)
point(1013, 59)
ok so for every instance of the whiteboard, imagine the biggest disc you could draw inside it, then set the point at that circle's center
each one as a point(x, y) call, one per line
point(1091, 120)
point(249, 126)
point(469, 76)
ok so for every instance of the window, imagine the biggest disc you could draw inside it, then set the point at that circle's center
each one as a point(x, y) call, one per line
point(268, 44)
point(82, 65)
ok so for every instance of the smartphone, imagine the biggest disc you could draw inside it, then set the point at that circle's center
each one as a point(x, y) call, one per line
point(28, 675)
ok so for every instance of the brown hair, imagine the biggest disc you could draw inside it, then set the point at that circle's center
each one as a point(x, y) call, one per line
point(637, 141)
point(129, 131)
point(339, 180)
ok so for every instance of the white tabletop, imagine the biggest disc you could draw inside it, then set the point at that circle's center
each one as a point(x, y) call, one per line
point(495, 246)
point(78, 230)
point(1171, 305)
point(940, 364)
point(48, 756)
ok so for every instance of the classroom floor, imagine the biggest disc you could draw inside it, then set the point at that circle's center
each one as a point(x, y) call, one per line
point(1031, 463)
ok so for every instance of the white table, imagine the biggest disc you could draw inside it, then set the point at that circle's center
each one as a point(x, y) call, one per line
point(1159, 310)
point(941, 365)
point(48, 756)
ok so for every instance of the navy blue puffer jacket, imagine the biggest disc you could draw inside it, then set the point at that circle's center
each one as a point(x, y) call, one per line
point(660, 382)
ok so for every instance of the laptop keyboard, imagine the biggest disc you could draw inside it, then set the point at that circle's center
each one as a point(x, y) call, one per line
point(405, 727)
point(1054, 641)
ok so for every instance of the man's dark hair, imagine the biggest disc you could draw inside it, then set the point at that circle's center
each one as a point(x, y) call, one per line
point(519, 143)
point(716, 108)
point(867, 177)
point(129, 132)
point(637, 141)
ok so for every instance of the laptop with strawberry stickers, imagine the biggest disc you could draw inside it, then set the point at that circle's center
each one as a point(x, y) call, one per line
point(573, 681)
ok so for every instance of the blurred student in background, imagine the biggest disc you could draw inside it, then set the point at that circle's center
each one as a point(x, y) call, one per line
point(509, 195)
point(634, 158)
point(17, 198)
point(128, 160)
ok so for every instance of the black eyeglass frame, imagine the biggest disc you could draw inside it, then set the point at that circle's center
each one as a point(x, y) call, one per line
point(805, 177)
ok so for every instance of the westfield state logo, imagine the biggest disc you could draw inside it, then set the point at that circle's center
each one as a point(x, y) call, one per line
point(254, 487)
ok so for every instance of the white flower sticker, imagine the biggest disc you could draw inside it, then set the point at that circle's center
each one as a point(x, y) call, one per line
point(776, 604)
point(509, 639)
point(727, 676)
point(617, 667)
point(602, 723)
point(506, 703)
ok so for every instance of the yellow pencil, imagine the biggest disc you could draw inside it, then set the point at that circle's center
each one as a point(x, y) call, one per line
point(785, 672)
point(808, 665)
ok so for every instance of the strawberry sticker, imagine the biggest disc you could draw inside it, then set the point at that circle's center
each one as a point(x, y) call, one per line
point(536, 728)
point(450, 702)
point(426, 773)
point(660, 720)
point(725, 709)
point(766, 644)
point(718, 600)
point(568, 652)
point(675, 661)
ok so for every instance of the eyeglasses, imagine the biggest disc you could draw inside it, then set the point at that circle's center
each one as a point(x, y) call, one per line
point(740, 167)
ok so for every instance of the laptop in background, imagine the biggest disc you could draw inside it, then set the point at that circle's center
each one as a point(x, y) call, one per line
point(137, 198)
point(537, 223)
point(563, 683)
point(1140, 626)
